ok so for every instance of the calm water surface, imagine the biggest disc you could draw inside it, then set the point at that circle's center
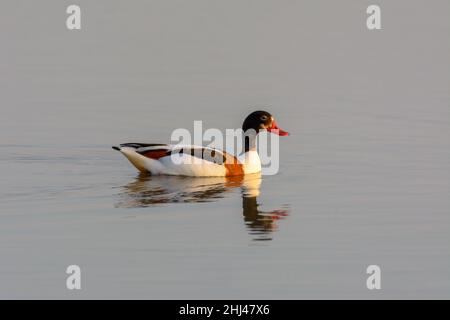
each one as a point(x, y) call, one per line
point(364, 177)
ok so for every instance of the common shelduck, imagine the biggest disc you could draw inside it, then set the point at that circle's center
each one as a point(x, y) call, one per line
point(199, 161)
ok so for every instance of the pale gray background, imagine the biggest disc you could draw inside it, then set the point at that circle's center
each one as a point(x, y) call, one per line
point(365, 172)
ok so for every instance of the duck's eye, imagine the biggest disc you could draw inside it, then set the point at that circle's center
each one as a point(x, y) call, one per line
point(263, 118)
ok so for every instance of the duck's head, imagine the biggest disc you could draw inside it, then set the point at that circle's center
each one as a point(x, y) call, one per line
point(262, 120)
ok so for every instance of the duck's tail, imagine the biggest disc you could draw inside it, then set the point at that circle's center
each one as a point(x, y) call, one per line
point(136, 159)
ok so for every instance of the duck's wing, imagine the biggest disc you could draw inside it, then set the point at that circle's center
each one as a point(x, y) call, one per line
point(232, 166)
point(206, 153)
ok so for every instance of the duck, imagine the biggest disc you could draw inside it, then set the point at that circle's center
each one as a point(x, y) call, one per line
point(200, 161)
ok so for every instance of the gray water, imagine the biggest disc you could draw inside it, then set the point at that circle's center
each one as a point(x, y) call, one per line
point(364, 176)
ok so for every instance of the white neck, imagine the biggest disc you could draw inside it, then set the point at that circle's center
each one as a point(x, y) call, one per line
point(251, 161)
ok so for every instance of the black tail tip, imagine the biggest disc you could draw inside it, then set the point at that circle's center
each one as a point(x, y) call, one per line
point(116, 148)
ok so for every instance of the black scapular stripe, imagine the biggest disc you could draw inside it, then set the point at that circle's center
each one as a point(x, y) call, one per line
point(142, 145)
point(207, 154)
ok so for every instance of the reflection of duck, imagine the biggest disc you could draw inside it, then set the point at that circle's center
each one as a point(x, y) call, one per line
point(148, 191)
point(261, 224)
